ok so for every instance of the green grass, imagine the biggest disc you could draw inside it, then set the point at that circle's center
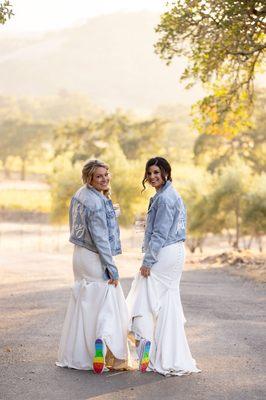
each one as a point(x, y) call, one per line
point(25, 200)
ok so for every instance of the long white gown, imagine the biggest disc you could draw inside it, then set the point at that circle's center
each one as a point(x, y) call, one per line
point(96, 310)
point(156, 313)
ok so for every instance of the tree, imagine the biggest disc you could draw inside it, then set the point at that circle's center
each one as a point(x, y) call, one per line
point(5, 11)
point(126, 183)
point(203, 217)
point(136, 137)
point(89, 138)
point(224, 42)
point(179, 137)
point(78, 138)
point(229, 196)
point(64, 183)
point(7, 140)
point(254, 214)
point(19, 137)
point(217, 151)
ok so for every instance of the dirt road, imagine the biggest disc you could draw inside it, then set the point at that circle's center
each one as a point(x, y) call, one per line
point(225, 317)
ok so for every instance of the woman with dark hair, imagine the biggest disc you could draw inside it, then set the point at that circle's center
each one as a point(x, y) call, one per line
point(157, 319)
point(95, 329)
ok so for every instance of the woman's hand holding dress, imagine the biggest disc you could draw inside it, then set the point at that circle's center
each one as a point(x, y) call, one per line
point(145, 271)
point(113, 282)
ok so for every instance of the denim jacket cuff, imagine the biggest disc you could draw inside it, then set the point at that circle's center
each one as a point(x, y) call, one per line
point(113, 272)
point(144, 264)
point(115, 276)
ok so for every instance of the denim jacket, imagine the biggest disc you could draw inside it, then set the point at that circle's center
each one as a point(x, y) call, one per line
point(93, 225)
point(166, 223)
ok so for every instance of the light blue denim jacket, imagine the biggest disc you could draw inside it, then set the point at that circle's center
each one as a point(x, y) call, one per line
point(93, 225)
point(166, 223)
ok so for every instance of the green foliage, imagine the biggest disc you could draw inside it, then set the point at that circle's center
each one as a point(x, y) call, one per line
point(90, 138)
point(65, 180)
point(179, 136)
point(224, 43)
point(229, 196)
point(217, 151)
point(119, 139)
point(202, 217)
point(19, 137)
point(141, 137)
point(27, 125)
point(254, 215)
point(79, 138)
point(232, 201)
point(5, 11)
point(126, 183)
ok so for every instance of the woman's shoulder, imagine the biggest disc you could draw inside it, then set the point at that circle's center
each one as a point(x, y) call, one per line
point(170, 196)
point(88, 198)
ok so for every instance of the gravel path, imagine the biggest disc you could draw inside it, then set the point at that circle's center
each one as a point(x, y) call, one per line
point(225, 316)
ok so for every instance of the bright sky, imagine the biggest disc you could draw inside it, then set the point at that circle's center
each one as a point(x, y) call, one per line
point(43, 15)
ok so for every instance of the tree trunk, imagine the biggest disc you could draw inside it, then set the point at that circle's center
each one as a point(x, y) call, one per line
point(250, 241)
point(229, 237)
point(23, 169)
point(201, 240)
point(194, 243)
point(237, 212)
point(6, 171)
point(259, 240)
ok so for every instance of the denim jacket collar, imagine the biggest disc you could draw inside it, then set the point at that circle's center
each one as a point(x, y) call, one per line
point(99, 194)
point(161, 190)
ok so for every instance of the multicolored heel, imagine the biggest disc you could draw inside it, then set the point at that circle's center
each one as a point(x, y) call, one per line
point(98, 359)
point(145, 357)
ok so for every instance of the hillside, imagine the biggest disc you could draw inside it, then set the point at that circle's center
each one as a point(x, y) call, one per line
point(110, 58)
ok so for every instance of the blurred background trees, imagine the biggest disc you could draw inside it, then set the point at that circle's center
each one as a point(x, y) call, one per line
point(217, 153)
point(221, 179)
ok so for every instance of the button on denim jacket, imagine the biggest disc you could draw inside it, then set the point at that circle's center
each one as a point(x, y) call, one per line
point(93, 225)
point(166, 223)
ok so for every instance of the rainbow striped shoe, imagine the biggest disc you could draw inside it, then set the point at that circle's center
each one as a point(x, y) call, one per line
point(144, 355)
point(98, 359)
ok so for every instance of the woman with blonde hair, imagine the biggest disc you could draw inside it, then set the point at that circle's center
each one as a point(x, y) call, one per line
point(94, 334)
point(156, 313)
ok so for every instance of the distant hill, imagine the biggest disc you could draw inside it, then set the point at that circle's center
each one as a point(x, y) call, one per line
point(110, 58)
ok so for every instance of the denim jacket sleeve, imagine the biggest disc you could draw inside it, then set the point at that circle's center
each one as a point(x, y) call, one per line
point(162, 223)
point(97, 225)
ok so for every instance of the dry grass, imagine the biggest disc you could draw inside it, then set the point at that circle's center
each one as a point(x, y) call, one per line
point(25, 200)
point(246, 263)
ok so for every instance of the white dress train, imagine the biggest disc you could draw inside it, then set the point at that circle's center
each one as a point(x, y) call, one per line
point(96, 310)
point(156, 313)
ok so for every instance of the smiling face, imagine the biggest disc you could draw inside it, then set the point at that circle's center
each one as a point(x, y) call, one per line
point(100, 179)
point(154, 177)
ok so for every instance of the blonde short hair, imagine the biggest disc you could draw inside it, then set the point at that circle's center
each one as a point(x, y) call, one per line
point(90, 167)
point(88, 170)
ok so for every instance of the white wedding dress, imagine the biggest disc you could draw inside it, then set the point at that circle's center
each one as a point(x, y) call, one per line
point(96, 310)
point(156, 314)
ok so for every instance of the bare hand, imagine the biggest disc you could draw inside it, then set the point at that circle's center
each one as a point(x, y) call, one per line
point(145, 271)
point(113, 282)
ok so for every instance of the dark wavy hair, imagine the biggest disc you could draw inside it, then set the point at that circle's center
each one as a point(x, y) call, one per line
point(164, 166)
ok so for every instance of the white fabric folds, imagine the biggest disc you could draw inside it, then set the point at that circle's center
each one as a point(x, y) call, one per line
point(96, 310)
point(156, 313)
